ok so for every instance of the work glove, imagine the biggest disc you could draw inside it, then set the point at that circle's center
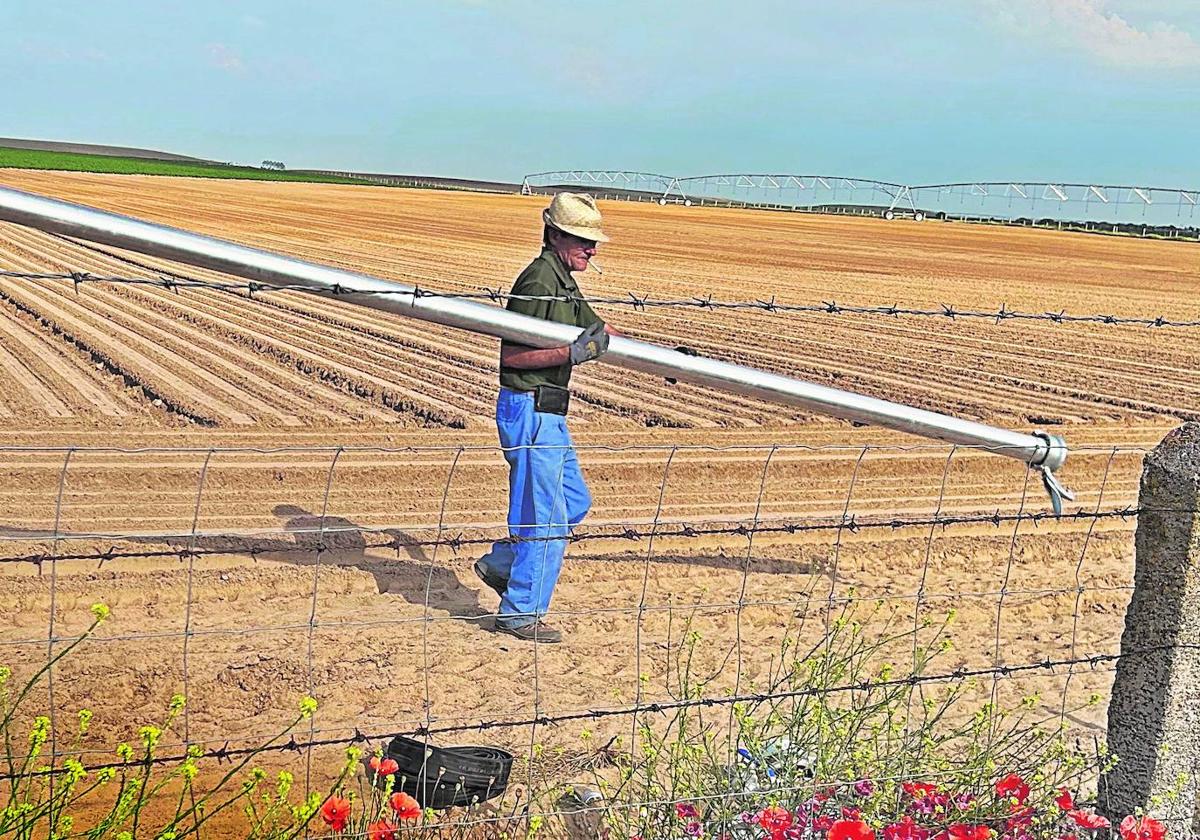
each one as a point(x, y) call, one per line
point(591, 344)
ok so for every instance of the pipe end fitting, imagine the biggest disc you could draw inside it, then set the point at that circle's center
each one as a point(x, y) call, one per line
point(1054, 455)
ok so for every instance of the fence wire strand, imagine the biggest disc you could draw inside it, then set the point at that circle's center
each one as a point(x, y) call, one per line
point(173, 282)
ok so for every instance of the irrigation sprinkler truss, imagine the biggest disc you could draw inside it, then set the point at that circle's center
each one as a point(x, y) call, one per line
point(1007, 200)
point(1039, 450)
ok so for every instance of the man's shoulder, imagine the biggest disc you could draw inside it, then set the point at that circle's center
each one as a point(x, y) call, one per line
point(539, 274)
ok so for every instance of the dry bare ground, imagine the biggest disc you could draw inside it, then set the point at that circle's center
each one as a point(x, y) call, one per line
point(387, 626)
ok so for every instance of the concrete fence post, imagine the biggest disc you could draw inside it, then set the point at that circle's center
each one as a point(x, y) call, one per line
point(1154, 713)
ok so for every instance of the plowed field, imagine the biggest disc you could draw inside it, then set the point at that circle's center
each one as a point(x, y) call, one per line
point(388, 628)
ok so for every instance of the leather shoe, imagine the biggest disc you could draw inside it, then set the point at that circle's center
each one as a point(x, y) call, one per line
point(535, 631)
point(494, 582)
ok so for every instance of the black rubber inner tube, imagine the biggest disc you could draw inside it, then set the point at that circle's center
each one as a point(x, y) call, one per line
point(444, 777)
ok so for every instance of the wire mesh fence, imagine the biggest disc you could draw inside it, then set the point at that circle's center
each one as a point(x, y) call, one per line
point(246, 578)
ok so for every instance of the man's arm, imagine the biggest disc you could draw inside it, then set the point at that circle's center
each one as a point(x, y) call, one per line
point(590, 344)
point(532, 358)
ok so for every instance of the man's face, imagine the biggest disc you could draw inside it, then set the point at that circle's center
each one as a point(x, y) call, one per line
point(572, 250)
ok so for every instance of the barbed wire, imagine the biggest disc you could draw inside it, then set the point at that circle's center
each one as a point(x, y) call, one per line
point(655, 707)
point(642, 302)
point(397, 542)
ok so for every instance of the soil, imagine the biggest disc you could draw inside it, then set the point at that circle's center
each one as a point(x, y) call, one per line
point(118, 395)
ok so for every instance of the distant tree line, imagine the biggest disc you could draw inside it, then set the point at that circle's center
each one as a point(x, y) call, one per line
point(273, 164)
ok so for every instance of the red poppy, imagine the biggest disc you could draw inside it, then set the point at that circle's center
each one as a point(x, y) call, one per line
point(919, 790)
point(1067, 837)
point(1083, 819)
point(850, 830)
point(1142, 828)
point(335, 812)
point(1065, 800)
point(383, 767)
point(1012, 786)
point(405, 806)
point(823, 823)
point(383, 830)
point(851, 814)
point(774, 820)
point(686, 811)
point(906, 829)
point(1022, 817)
point(962, 831)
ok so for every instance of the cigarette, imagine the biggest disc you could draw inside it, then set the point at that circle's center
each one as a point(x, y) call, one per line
point(592, 263)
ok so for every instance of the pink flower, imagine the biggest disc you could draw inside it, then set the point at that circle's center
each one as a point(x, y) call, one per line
point(686, 811)
point(693, 829)
point(906, 829)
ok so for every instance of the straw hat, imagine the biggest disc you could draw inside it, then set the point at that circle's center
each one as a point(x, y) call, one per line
point(575, 213)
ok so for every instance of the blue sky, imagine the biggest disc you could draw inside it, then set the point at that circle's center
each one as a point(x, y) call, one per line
point(912, 91)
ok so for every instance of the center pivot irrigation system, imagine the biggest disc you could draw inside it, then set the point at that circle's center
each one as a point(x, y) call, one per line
point(1009, 200)
point(1040, 450)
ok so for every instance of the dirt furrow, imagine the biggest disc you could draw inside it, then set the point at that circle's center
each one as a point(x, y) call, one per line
point(245, 383)
point(58, 366)
point(133, 351)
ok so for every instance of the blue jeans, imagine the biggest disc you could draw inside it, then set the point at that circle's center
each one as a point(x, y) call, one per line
point(547, 497)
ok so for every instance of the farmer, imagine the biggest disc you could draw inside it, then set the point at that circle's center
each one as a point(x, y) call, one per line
point(547, 494)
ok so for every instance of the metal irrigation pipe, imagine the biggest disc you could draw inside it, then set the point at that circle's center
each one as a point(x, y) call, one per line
point(1038, 449)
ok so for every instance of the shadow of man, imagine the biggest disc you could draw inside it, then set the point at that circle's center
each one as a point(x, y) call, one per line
point(411, 573)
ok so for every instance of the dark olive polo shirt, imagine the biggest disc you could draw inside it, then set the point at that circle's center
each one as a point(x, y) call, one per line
point(546, 276)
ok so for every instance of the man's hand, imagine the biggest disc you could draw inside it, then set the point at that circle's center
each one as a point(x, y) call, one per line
point(591, 344)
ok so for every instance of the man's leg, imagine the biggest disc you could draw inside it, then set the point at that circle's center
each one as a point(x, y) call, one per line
point(515, 427)
point(576, 501)
point(575, 490)
point(538, 555)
